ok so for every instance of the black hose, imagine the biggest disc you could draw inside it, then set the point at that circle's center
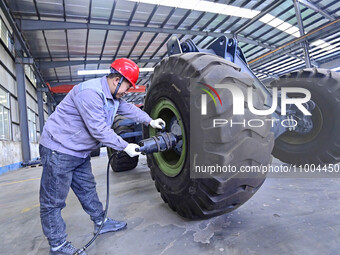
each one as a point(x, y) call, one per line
point(78, 252)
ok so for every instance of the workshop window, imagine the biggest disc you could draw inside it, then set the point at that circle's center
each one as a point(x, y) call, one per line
point(32, 126)
point(6, 37)
point(3, 34)
point(30, 74)
point(5, 121)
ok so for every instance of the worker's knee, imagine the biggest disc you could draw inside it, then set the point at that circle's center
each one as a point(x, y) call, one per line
point(51, 207)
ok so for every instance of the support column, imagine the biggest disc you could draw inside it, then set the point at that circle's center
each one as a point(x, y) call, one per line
point(40, 92)
point(21, 90)
point(304, 44)
point(49, 107)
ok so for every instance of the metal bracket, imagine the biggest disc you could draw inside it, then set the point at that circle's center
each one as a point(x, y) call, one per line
point(51, 104)
point(43, 89)
point(28, 61)
point(174, 46)
point(224, 47)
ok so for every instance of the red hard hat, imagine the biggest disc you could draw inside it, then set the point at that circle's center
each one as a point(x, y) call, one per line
point(128, 69)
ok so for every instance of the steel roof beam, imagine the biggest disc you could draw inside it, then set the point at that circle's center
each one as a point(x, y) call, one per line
point(78, 56)
point(87, 33)
point(286, 20)
point(34, 25)
point(304, 44)
point(54, 64)
point(226, 19)
point(107, 32)
point(29, 25)
point(124, 34)
point(22, 42)
point(272, 29)
point(140, 34)
point(235, 22)
point(191, 26)
point(268, 9)
point(317, 9)
point(269, 79)
point(294, 44)
point(250, 41)
point(330, 61)
point(261, 44)
point(273, 76)
point(73, 82)
point(66, 79)
point(155, 35)
point(176, 27)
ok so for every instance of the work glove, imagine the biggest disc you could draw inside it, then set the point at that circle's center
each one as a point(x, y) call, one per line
point(157, 123)
point(130, 149)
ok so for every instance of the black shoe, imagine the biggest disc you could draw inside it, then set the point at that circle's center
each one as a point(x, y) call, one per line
point(66, 249)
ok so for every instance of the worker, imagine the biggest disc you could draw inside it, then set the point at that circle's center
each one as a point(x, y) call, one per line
point(81, 123)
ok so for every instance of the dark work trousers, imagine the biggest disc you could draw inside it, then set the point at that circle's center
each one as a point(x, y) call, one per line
point(60, 172)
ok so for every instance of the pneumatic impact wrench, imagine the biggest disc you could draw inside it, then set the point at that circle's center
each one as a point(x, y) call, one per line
point(163, 141)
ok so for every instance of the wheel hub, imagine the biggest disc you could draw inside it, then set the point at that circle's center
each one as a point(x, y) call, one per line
point(177, 131)
point(170, 162)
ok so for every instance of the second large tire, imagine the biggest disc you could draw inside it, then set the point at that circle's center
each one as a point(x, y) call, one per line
point(321, 145)
point(168, 98)
point(122, 161)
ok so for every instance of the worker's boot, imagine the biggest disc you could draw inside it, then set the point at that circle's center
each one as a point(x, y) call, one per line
point(110, 225)
point(67, 248)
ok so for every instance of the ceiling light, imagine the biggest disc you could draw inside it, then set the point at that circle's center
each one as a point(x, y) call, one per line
point(216, 7)
point(106, 71)
point(173, 3)
point(89, 72)
point(266, 18)
point(197, 5)
point(279, 24)
point(326, 50)
point(317, 42)
point(280, 64)
point(292, 30)
point(297, 34)
point(289, 67)
point(146, 69)
point(149, 1)
point(275, 22)
point(284, 26)
point(225, 9)
point(336, 69)
point(187, 4)
point(203, 6)
point(320, 43)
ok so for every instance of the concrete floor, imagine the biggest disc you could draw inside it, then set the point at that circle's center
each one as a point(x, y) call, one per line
point(286, 216)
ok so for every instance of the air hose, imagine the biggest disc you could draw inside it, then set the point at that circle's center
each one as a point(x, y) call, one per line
point(79, 252)
point(161, 142)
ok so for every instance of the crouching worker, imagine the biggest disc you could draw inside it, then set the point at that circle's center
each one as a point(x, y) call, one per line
point(80, 123)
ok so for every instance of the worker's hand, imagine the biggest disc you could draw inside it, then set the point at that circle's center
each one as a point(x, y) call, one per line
point(157, 123)
point(131, 150)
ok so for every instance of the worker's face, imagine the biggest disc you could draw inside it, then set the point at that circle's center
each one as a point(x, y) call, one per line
point(122, 91)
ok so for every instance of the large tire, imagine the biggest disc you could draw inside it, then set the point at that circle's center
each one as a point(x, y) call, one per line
point(122, 161)
point(322, 144)
point(204, 197)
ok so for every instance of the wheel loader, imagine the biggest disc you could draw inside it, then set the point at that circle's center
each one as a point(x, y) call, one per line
point(172, 95)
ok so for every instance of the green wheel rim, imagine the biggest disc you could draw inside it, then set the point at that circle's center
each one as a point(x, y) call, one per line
point(169, 162)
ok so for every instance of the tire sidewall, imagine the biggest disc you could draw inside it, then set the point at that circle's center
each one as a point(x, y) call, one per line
point(322, 96)
point(172, 90)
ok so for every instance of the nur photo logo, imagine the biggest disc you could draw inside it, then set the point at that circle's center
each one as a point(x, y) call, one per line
point(238, 99)
point(204, 97)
